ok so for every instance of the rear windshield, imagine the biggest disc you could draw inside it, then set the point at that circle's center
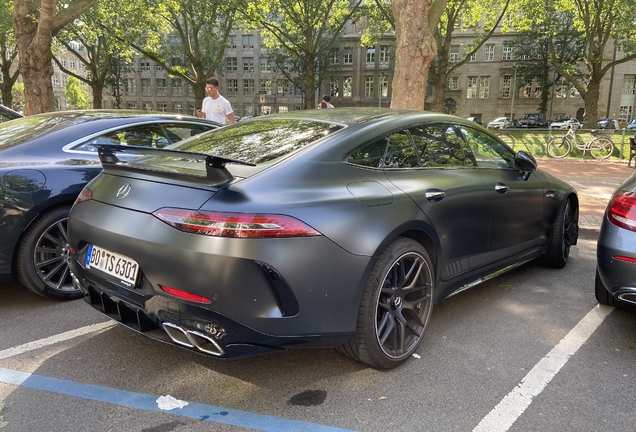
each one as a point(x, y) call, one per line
point(28, 128)
point(258, 141)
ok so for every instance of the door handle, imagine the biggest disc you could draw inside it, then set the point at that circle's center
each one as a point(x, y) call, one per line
point(435, 195)
point(501, 188)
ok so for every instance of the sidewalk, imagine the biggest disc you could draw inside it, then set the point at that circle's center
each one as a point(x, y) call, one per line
point(594, 180)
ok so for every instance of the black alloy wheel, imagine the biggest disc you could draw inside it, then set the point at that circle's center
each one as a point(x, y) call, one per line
point(396, 306)
point(43, 257)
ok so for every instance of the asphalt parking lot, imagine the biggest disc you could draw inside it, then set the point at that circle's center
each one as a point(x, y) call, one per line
point(529, 350)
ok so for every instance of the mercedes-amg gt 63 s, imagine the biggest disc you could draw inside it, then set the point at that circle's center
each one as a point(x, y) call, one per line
point(319, 228)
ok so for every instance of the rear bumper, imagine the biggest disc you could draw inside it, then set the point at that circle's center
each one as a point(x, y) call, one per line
point(618, 276)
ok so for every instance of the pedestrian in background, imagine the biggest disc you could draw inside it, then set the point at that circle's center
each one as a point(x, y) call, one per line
point(327, 99)
point(322, 104)
point(215, 107)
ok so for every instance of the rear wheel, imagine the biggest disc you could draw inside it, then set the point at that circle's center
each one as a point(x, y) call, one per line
point(395, 308)
point(561, 237)
point(558, 147)
point(603, 296)
point(601, 148)
point(43, 256)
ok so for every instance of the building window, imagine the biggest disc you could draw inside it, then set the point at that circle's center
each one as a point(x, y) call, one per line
point(132, 106)
point(177, 85)
point(473, 57)
point(527, 90)
point(334, 86)
point(63, 63)
point(72, 64)
point(629, 84)
point(506, 85)
point(145, 84)
point(81, 66)
point(370, 55)
point(56, 81)
point(454, 54)
point(248, 41)
point(383, 85)
point(232, 86)
point(507, 53)
point(266, 87)
point(265, 66)
point(484, 85)
point(266, 109)
point(158, 68)
point(248, 64)
point(489, 53)
point(347, 86)
point(231, 41)
point(231, 64)
point(147, 106)
point(162, 84)
point(131, 85)
point(385, 55)
point(472, 88)
point(625, 113)
point(368, 86)
point(284, 86)
point(248, 86)
point(144, 64)
point(334, 57)
point(348, 58)
point(162, 107)
point(453, 83)
point(178, 108)
point(283, 109)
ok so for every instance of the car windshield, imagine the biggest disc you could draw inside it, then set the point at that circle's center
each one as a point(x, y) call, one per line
point(258, 141)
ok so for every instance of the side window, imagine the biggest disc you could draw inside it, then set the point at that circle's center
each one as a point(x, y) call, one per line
point(438, 146)
point(144, 136)
point(107, 138)
point(401, 153)
point(371, 155)
point(488, 152)
point(177, 132)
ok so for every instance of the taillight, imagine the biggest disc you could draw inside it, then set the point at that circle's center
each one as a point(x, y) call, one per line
point(621, 210)
point(85, 195)
point(185, 294)
point(234, 225)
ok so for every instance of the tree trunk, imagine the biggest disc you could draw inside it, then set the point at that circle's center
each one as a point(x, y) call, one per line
point(415, 51)
point(309, 82)
point(199, 90)
point(591, 103)
point(98, 88)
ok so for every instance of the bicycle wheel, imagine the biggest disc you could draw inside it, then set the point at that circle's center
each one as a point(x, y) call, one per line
point(558, 147)
point(601, 148)
point(507, 138)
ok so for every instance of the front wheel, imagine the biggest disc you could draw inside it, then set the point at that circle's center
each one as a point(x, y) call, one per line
point(395, 308)
point(558, 147)
point(43, 256)
point(601, 148)
point(561, 238)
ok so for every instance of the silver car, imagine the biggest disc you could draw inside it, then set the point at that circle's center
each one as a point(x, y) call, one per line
point(616, 249)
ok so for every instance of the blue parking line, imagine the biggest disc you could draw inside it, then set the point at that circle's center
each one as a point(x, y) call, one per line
point(149, 402)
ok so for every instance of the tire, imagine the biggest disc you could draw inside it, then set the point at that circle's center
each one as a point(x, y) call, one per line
point(560, 239)
point(395, 308)
point(601, 148)
point(43, 257)
point(558, 147)
point(603, 296)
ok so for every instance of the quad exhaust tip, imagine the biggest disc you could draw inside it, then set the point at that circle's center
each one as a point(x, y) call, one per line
point(192, 339)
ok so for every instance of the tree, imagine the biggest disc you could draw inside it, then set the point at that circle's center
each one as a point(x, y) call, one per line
point(35, 23)
point(76, 94)
point(88, 39)
point(306, 30)
point(17, 94)
point(415, 49)
point(602, 23)
point(481, 18)
point(187, 37)
point(8, 53)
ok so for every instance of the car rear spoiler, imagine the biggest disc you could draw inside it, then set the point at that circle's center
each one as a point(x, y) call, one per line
point(215, 170)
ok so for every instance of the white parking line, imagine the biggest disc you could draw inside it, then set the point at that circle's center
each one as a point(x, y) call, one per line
point(502, 417)
point(20, 349)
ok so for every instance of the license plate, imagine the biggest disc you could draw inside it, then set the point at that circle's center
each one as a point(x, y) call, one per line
point(119, 266)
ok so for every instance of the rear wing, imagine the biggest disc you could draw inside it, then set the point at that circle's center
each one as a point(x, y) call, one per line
point(216, 173)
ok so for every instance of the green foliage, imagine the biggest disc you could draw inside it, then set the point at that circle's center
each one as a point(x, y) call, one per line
point(76, 94)
point(18, 96)
point(2, 422)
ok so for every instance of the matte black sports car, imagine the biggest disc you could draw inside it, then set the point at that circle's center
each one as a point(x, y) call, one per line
point(616, 248)
point(45, 161)
point(321, 228)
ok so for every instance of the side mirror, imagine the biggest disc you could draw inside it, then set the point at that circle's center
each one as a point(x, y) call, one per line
point(526, 163)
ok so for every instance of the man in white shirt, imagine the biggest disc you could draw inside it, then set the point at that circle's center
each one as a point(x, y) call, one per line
point(216, 107)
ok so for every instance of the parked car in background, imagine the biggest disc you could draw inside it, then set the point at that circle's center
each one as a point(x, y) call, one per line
point(631, 126)
point(616, 248)
point(533, 120)
point(607, 124)
point(475, 120)
point(314, 228)
point(46, 160)
point(565, 123)
point(7, 114)
point(500, 123)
